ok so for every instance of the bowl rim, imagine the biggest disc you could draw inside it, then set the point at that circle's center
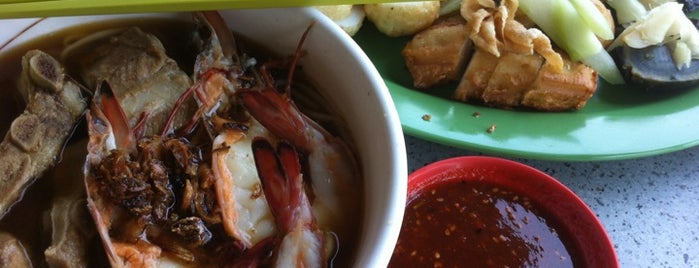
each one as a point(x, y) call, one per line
point(528, 177)
point(392, 219)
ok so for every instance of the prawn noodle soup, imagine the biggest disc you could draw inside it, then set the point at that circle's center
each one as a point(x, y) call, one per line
point(52, 215)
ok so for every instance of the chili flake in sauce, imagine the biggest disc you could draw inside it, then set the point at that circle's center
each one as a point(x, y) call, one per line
point(475, 224)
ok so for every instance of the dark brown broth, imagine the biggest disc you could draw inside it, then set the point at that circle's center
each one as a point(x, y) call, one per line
point(27, 219)
point(476, 224)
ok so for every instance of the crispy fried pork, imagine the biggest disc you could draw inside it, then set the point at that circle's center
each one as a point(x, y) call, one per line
point(476, 77)
point(512, 66)
point(512, 77)
point(560, 91)
point(438, 54)
point(517, 80)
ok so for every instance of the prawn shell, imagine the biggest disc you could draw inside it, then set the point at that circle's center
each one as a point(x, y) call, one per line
point(247, 213)
point(100, 143)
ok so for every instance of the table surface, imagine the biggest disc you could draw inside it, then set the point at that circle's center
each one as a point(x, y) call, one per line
point(649, 206)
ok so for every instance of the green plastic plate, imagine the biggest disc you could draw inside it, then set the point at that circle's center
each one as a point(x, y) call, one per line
point(618, 122)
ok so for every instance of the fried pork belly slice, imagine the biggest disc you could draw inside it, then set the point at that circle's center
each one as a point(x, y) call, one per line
point(518, 80)
point(505, 71)
point(511, 79)
point(475, 79)
point(561, 91)
point(35, 138)
point(438, 54)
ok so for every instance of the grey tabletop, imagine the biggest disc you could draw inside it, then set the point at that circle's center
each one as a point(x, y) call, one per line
point(649, 206)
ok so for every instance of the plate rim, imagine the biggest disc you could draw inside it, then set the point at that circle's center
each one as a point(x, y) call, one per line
point(413, 126)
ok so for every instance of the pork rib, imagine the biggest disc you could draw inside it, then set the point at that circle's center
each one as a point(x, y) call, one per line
point(35, 138)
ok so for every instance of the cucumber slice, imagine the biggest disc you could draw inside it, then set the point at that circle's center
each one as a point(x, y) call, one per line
point(627, 11)
point(539, 11)
point(593, 18)
point(573, 35)
point(581, 44)
point(560, 21)
point(605, 66)
point(449, 6)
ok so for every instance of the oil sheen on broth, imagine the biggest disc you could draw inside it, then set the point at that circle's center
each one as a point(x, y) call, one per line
point(476, 224)
point(28, 220)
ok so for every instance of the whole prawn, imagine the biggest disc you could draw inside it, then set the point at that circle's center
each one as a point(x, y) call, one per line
point(332, 170)
point(159, 199)
point(302, 243)
point(219, 185)
point(333, 173)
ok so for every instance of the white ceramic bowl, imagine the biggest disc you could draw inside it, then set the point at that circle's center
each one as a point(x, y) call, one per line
point(347, 78)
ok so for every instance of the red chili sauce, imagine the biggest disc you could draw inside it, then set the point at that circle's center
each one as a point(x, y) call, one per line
point(475, 224)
